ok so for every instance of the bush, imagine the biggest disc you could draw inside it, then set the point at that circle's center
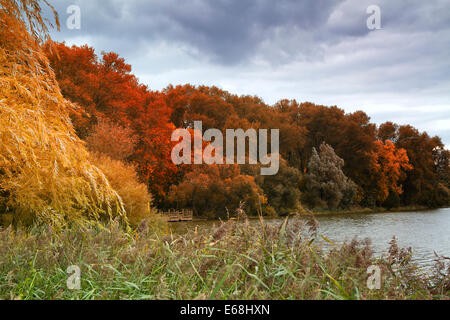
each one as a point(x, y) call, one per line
point(124, 179)
point(282, 190)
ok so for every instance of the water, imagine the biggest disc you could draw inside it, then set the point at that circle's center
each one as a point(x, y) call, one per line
point(425, 232)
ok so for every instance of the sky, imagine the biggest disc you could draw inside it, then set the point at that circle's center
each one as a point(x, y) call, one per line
point(320, 51)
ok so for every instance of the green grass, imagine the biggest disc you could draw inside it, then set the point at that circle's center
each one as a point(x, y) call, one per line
point(233, 261)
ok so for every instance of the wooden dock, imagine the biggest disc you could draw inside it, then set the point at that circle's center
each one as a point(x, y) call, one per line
point(178, 216)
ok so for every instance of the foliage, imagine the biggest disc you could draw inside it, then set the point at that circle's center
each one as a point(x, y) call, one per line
point(326, 184)
point(111, 139)
point(216, 191)
point(45, 173)
point(388, 166)
point(104, 88)
point(427, 182)
point(281, 190)
point(124, 179)
point(28, 13)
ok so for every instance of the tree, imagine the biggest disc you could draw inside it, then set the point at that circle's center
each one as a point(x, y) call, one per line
point(45, 170)
point(153, 151)
point(388, 131)
point(104, 88)
point(352, 136)
point(281, 190)
point(100, 86)
point(124, 179)
point(193, 104)
point(422, 184)
point(387, 169)
point(112, 140)
point(216, 191)
point(326, 185)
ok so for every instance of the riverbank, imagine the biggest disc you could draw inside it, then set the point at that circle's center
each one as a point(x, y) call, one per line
point(368, 210)
point(234, 260)
point(6, 219)
point(314, 212)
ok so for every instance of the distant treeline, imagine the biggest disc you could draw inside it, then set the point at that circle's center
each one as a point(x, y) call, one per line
point(330, 159)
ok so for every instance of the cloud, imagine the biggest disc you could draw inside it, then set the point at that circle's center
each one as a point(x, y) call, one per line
point(310, 50)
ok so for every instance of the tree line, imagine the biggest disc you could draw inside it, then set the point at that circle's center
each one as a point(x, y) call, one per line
point(330, 159)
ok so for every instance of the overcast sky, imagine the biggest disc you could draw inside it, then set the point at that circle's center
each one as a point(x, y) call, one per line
point(309, 50)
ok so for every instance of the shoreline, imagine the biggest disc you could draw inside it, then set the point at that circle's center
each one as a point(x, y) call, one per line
point(307, 212)
point(371, 210)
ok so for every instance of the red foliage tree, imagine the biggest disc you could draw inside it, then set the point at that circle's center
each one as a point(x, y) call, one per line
point(105, 88)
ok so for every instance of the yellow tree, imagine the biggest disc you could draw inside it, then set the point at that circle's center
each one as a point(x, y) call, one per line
point(45, 172)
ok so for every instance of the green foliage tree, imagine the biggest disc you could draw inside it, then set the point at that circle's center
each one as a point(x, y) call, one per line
point(281, 190)
point(326, 185)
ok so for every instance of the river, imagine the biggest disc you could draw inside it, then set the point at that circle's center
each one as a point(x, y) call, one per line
point(425, 232)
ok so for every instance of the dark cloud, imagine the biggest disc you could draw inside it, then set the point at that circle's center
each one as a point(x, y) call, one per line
point(225, 31)
point(229, 32)
point(315, 50)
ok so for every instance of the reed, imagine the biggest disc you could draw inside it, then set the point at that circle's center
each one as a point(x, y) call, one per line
point(233, 261)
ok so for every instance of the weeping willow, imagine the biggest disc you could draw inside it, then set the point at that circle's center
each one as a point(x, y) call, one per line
point(45, 173)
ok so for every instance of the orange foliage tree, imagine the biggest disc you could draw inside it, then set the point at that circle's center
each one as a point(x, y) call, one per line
point(217, 191)
point(112, 140)
point(388, 165)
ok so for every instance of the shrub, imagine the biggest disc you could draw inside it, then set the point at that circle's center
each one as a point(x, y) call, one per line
point(282, 190)
point(124, 179)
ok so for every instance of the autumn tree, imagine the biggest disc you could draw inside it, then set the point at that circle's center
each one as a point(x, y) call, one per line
point(104, 87)
point(423, 184)
point(191, 104)
point(388, 131)
point(281, 190)
point(45, 170)
point(326, 185)
point(112, 140)
point(125, 181)
point(217, 191)
point(101, 86)
point(105, 90)
point(388, 167)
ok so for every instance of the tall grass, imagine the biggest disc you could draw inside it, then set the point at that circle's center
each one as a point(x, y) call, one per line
point(233, 261)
